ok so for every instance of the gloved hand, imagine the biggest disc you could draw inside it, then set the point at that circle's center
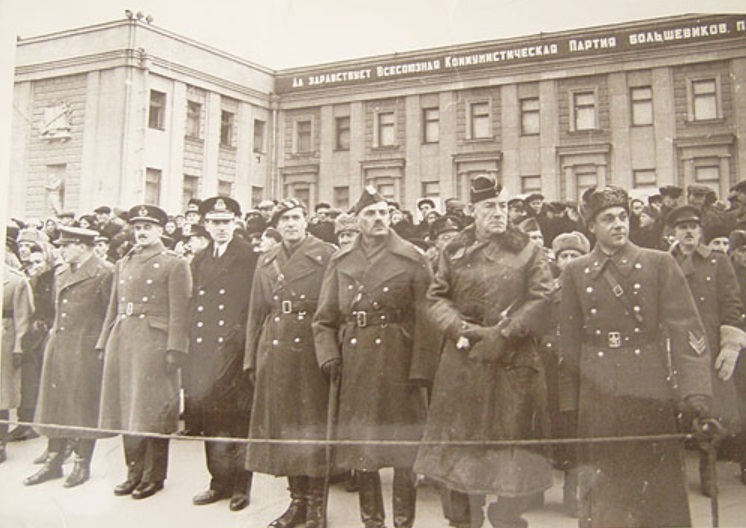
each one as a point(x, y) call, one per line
point(699, 405)
point(17, 359)
point(175, 360)
point(333, 369)
point(726, 361)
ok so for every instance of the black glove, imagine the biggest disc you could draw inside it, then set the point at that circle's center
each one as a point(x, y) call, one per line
point(175, 360)
point(699, 405)
point(333, 369)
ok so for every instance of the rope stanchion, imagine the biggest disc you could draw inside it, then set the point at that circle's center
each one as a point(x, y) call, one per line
point(393, 443)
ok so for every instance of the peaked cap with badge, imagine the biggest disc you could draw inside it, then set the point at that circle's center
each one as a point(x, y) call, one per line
point(220, 208)
point(147, 213)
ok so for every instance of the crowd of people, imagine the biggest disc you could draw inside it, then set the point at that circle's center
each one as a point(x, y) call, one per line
point(436, 348)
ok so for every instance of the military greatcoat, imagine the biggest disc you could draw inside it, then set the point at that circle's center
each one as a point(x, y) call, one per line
point(372, 315)
point(18, 308)
point(291, 394)
point(219, 392)
point(621, 381)
point(147, 315)
point(716, 293)
point(70, 386)
point(473, 400)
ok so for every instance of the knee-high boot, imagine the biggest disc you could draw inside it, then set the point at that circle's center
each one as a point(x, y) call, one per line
point(371, 501)
point(296, 513)
point(315, 503)
point(405, 498)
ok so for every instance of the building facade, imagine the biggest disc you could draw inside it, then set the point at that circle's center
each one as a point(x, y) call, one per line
point(126, 112)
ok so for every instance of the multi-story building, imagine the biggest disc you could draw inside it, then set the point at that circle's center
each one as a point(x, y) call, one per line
point(125, 112)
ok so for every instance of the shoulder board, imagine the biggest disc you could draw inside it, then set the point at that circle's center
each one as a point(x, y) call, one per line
point(170, 253)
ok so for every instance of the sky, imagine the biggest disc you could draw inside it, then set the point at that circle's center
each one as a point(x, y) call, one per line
point(286, 33)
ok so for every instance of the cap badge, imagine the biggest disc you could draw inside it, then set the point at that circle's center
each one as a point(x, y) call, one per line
point(143, 211)
point(220, 205)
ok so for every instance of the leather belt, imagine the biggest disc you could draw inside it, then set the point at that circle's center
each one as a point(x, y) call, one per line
point(133, 308)
point(621, 339)
point(295, 307)
point(362, 318)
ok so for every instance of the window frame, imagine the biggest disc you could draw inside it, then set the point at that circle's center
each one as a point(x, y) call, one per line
point(645, 102)
point(693, 97)
point(259, 147)
point(530, 112)
point(157, 110)
point(340, 131)
point(429, 121)
point(575, 109)
point(193, 128)
point(470, 116)
point(230, 140)
point(297, 147)
point(380, 128)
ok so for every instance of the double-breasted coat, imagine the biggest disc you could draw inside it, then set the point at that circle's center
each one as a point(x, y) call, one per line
point(507, 278)
point(623, 380)
point(292, 393)
point(372, 316)
point(147, 316)
point(70, 387)
point(219, 392)
point(716, 293)
point(18, 308)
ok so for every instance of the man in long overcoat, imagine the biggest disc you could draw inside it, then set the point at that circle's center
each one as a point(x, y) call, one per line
point(716, 293)
point(619, 304)
point(371, 327)
point(70, 387)
point(18, 307)
point(144, 339)
point(219, 391)
point(491, 288)
point(292, 393)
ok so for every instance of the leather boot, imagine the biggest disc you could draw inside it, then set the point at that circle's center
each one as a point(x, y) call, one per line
point(315, 503)
point(705, 476)
point(52, 469)
point(81, 472)
point(570, 500)
point(371, 501)
point(295, 515)
point(405, 498)
point(507, 511)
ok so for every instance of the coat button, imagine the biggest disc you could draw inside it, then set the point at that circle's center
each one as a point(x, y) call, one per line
point(708, 278)
point(587, 270)
point(198, 340)
point(222, 291)
point(296, 340)
point(64, 315)
point(156, 265)
point(277, 319)
point(200, 308)
point(637, 286)
point(142, 316)
point(377, 341)
point(122, 299)
point(220, 307)
point(636, 309)
point(349, 286)
point(64, 301)
point(589, 289)
point(638, 265)
point(121, 281)
point(275, 342)
point(353, 341)
point(598, 332)
point(149, 282)
point(221, 323)
point(637, 351)
point(302, 296)
point(220, 339)
point(202, 292)
point(301, 317)
point(200, 324)
point(144, 299)
point(600, 354)
point(594, 311)
point(385, 289)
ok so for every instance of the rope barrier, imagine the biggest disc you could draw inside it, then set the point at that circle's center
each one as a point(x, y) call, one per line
point(391, 443)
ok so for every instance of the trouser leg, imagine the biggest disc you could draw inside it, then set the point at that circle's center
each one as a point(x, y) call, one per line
point(405, 497)
point(221, 466)
point(463, 510)
point(156, 460)
point(134, 456)
point(30, 377)
point(4, 427)
point(371, 500)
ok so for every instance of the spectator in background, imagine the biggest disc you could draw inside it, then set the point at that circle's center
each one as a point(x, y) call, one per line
point(346, 228)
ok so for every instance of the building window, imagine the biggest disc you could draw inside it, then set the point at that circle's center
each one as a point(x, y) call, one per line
point(259, 131)
point(194, 120)
point(479, 120)
point(586, 176)
point(257, 195)
point(530, 124)
point(644, 178)
point(707, 172)
point(227, 128)
point(152, 186)
point(642, 105)
point(584, 110)
point(704, 99)
point(430, 189)
point(343, 133)
point(430, 125)
point(303, 131)
point(342, 197)
point(157, 113)
point(225, 188)
point(300, 191)
point(191, 189)
point(530, 183)
point(386, 129)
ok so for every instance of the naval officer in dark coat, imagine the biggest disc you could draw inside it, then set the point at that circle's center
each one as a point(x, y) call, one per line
point(219, 391)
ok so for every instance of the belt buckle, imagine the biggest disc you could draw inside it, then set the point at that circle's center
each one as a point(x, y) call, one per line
point(615, 339)
point(130, 308)
point(287, 307)
point(361, 318)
